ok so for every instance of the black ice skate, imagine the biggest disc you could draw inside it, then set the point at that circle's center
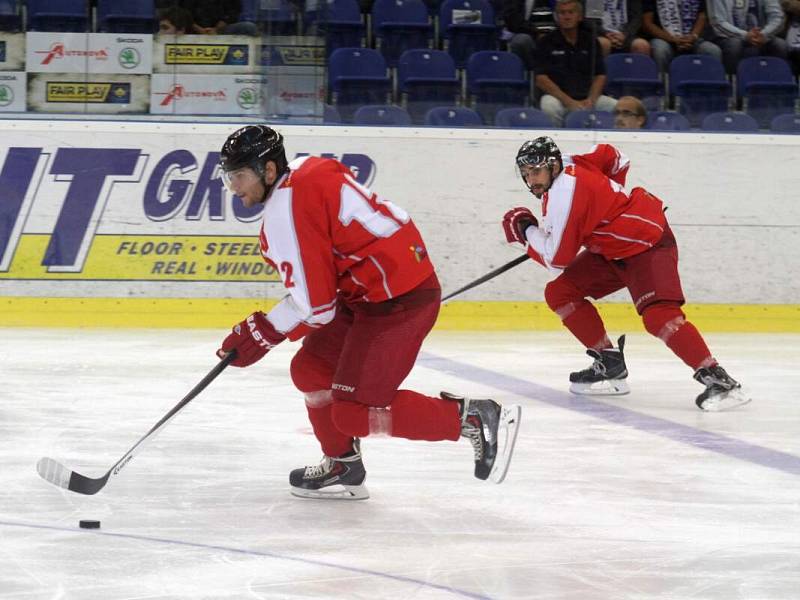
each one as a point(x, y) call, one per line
point(606, 376)
point(334, 478)
point(492, 431)
point(722, 391)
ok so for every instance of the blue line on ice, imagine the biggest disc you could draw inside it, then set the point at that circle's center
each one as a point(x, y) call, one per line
point(707, 440)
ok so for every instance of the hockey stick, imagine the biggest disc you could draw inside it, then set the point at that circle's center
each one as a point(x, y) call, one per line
point(57, 474)
point(490, 275)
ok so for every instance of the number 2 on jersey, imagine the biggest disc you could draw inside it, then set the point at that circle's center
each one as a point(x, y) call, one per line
point(286, 269)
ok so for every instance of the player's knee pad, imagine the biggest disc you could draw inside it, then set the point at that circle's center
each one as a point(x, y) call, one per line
point(562, 297)
point(318, 399)
point(663, 319)
point(310, 373)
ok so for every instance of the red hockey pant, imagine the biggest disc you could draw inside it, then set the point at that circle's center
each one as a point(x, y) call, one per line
point(652, 279)
point(362, 357)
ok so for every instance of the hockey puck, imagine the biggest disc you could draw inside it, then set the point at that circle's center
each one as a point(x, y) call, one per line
point(89, 524)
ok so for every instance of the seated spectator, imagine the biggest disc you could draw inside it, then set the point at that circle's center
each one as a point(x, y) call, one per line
point(570, 70)
point(622, 20)
point(629, 113)
point(747, 28)
point(676, 27)
point(213, 17)
point(792, 9)
point(174, 20)
point(525, 22)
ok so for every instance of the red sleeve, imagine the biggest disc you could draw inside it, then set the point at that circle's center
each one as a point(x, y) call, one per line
point(608, 160)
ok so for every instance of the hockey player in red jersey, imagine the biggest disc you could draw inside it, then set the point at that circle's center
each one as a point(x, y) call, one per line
point(362, 294)
point(627, 243)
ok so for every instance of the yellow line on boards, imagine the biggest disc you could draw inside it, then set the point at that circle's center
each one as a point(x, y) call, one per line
point(483, 316)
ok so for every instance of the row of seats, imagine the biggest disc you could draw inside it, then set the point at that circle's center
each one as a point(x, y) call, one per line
point(121, 16)
point(531, 118)
point(461, 27)
point(764, 87)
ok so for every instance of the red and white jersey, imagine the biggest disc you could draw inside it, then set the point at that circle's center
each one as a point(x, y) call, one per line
point(328, 236)
point(587, 207)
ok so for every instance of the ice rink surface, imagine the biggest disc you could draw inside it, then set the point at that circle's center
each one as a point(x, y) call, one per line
point(641, 496)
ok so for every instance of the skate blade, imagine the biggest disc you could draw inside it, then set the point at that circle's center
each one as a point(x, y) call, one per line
point(727, 401)
point(507, 431)
point(335, 492)
point(607, 387)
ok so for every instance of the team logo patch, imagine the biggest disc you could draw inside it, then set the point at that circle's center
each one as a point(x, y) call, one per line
point(419, 252)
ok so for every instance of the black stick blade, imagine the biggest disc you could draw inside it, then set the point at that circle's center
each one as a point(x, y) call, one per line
point(59, 475)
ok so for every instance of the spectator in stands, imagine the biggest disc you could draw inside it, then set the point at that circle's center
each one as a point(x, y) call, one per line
point(792, 9)
point(525, 22)
point(622, 20)
point(747, 28)
point(175, 20)
point(676, 27)
point(629, 113)
point(214, 17)
point(569, 66)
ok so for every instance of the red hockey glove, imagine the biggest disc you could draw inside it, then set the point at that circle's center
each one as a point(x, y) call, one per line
point(251, 339)
point(515, 222)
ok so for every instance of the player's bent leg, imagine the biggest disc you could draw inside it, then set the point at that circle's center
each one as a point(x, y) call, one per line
point(406, 414)
point(576, 313)
point(492, 430)
point(606, 376)
point(312, 376)
point(666, 321)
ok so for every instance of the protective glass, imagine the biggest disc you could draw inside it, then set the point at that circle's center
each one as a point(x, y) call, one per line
point(237, 179)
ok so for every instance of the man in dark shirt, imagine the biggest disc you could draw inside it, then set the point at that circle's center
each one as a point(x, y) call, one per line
point(570, 70)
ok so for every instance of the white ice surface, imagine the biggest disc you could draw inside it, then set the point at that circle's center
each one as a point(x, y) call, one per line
point(641, 496)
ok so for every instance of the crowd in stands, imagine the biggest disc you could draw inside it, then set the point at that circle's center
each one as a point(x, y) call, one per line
point(553, 56)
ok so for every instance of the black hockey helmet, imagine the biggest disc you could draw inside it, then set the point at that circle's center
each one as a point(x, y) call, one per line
point(252, 146)
point(541, 151)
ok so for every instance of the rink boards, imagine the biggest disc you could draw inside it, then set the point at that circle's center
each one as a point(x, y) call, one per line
point(127, 224)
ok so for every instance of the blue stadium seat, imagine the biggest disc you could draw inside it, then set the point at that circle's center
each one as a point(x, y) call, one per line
point(467, 26)
point(399, 25)
point(10, 19)
point(667, 121)
point(357, 76)
point(126, 16)
point(496, 79)
point(522, 117)
point(338, 21)
point(789, 123)
point(589, 119)
point(729, 121)
point(452, 116)
point(64, 15)
point(766, 86)
point(699, 84)
point(635, 75)
point(427, 78)
point(382, 114)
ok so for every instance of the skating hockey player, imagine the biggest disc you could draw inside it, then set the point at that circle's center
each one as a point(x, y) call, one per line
point(363, 295)
point(627, 243)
